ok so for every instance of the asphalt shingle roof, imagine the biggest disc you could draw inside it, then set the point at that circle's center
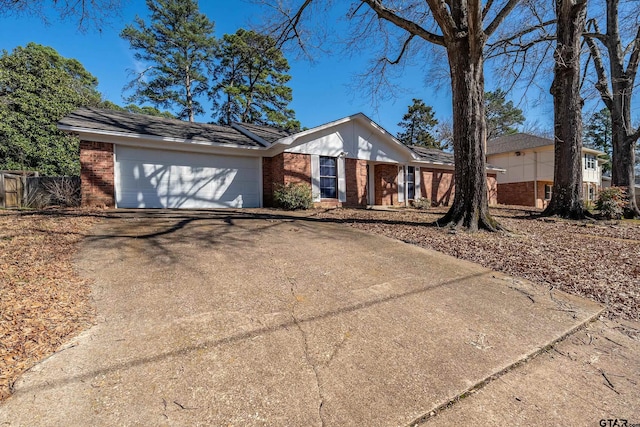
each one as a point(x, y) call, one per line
point(516, 142)
point(142, 124)
point(433, 155)
point(267, 133)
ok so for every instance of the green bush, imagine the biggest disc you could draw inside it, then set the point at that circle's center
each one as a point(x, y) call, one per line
point(293, 196)
point(611, 202)
point(422, 203)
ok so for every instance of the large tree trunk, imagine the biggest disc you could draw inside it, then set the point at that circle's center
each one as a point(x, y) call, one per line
point(566, 200)
point(623, 140)
point(623, 159)
point(616, 91)
point(470, 208)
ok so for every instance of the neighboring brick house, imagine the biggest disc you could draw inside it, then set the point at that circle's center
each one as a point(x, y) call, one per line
point(139, 161)
point(529, 163)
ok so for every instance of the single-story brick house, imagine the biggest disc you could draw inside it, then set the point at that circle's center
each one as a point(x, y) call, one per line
point(529, 162)
point(139, 161)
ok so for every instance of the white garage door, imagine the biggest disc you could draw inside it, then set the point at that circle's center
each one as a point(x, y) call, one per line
point(147, 178)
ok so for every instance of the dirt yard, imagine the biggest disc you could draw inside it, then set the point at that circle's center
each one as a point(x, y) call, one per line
point(599, 260)
point(42, 301)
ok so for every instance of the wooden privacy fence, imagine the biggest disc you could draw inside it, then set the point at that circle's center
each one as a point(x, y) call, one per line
point(23, 189)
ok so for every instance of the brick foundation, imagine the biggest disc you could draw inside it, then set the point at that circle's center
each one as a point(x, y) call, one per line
point(97, 174)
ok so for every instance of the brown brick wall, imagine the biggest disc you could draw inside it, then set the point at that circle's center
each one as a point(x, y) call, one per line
point(518, 193)
point(297, 168)
point(356, 182)
point(96, 171)
point(283, 169)
point(267, 181)
point(437, 185)
point(386, 184)
point(542, 203)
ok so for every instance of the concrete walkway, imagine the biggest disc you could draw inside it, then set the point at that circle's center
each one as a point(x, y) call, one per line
point(224, 318)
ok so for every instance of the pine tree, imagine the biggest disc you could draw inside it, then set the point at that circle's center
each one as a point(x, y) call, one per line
point(502, 116)
point(133, 108)
point(597, 135)
point(418, 124)
point(253, 82)
point(175, 47)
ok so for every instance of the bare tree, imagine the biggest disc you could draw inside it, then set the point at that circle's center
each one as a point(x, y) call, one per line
point(84, 12)
point(566, 199)
point(616, 90)
point(461, 27)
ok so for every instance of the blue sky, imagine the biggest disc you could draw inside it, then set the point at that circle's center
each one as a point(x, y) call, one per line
point(323, 90)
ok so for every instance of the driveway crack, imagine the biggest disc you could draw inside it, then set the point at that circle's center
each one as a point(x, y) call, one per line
point(305, 342)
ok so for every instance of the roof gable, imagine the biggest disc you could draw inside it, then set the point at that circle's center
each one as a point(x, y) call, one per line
point(355, 136)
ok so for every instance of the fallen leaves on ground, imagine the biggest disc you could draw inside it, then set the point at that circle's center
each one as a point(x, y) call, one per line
point(595, 259)
point(43, 302)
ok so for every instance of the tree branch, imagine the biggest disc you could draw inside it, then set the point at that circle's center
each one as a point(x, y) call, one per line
point(486, 9)
point(442, 15)
point(500, 17)
point(409, 26)
point(404, 48)
point(289, 29)
point(602, 85)
point(634, 59)
point(596, 36)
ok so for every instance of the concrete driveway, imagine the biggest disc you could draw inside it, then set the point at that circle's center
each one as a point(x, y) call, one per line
point(233, 318)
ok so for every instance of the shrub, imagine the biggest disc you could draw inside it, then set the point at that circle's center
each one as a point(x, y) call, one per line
point(611, 202)
point(52, 191)
point(293, 196)
point(422, 203)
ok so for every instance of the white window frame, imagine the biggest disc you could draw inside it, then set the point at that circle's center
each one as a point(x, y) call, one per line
point(411, 181)
point(590, 162)
point(334, 177)
point(548, 189)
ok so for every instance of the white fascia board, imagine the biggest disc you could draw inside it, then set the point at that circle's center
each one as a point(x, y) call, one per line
point(382, 130)
point(164, 143)
point(448, 166)
point(593, 151)
point(435, 165)
point(280, 145)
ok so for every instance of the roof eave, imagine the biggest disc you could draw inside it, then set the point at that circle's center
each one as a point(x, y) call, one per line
point(122, 137)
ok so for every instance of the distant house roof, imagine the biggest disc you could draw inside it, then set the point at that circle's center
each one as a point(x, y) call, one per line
point(142, 124)
point(525, 141)
point(435, 156)
point(516, 142)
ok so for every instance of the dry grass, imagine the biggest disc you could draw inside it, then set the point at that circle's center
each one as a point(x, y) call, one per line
point(43, 302)
point(598, 260)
